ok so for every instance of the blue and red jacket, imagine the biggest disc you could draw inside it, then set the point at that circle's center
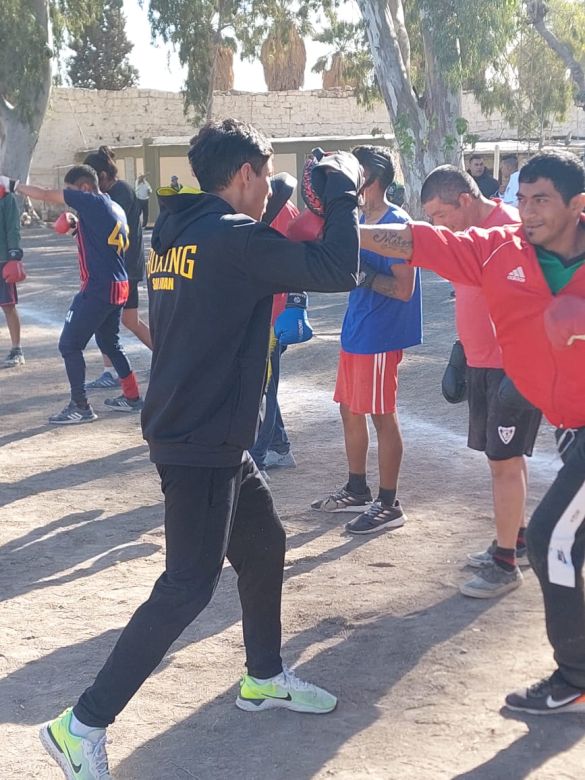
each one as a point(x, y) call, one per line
point(102, 239)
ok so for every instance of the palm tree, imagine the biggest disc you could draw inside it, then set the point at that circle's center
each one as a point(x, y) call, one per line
point(273, 30)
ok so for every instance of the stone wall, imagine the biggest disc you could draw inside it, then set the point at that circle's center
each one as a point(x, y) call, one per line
point(83, 119)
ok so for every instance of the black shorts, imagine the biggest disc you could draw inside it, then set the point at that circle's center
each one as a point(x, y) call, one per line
point(8, 294)
point(132, 302)
point(494, 428)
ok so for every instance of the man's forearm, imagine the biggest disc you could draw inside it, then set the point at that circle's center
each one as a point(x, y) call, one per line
point(388, 286)
point(40, 193)
point(395, 241)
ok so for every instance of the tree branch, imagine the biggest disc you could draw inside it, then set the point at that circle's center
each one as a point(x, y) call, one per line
point(537, 11)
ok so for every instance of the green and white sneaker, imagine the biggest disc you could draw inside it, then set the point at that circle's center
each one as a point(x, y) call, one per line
point(285, 690)
point(79, 758)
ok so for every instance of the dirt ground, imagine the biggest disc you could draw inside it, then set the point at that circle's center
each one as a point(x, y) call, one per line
point(420, 670)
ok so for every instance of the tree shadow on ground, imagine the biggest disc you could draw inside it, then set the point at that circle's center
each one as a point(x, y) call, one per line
point(33, 559)
point(81, 661)
point(9, 438)
point(196, 747)
point(74, 474)
point(531, 750)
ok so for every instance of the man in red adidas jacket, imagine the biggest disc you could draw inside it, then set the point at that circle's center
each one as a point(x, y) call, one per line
point(533, 278)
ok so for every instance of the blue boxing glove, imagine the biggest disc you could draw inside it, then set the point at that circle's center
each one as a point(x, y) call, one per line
point(292, 325)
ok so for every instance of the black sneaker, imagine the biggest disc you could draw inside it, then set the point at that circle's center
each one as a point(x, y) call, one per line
point(73, 414)
point(123, 404)
point(550, 696)
point(377, 517)
point(343, 500)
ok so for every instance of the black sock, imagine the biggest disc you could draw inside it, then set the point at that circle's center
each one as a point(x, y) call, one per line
point(521, 540)
point(505, 558)
point(387, 496)
point(357, 483)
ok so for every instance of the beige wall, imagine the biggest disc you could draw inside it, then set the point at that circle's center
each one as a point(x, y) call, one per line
point(80, 119)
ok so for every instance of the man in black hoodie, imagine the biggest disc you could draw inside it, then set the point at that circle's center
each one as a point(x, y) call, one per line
point(212, 272)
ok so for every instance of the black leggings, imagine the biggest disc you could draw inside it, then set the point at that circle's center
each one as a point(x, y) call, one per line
point(556, 548)
point(210, 513)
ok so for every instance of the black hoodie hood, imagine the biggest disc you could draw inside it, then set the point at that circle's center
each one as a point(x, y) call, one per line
point(178, 211)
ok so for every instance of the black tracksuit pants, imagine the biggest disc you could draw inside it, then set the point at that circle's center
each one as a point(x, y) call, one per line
point(210, 513)
point(556, 548)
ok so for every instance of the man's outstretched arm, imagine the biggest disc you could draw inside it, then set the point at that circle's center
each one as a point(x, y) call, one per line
point(30, 191)
point(458, 257)
point(387, 240)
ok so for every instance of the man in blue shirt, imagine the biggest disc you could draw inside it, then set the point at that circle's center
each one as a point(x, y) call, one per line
point(375, 330)
point(102, 236)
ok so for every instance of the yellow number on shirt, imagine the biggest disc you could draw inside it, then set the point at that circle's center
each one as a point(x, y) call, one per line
point(118, 239)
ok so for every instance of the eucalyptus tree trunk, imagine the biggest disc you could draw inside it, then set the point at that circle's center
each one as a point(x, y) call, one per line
point(20, 125)
point(422, 125)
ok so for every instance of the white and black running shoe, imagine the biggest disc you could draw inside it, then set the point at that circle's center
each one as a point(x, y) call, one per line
point(123, 404)
point(343, 500)
point(73, 414)
point(376, 518)
point(551, 696)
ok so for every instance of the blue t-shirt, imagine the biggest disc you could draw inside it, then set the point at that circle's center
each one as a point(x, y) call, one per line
point(374, 323)
point(102, 239)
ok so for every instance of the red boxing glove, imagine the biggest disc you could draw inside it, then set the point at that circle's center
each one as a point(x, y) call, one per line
point(564, 321)
point(306, 227)
point(13, 271)
point(65, 222)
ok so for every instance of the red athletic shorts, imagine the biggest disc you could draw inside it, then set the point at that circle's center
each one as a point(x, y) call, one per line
point(367, 384)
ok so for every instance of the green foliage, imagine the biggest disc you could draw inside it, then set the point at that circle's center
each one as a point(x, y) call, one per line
point(195, 28)
point(350, 42)
point(27, 46)
point(405, 139)
point(260, 18)
point(101, 52)
point(531, 87)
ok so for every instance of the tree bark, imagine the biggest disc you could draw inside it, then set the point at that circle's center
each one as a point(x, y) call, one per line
point(20, 125)
point(537, 11)
point(421, 129)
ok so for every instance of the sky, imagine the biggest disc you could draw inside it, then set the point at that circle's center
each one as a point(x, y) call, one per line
point(159, 68)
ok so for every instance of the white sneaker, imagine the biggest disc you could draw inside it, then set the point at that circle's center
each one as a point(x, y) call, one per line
point(275, 460)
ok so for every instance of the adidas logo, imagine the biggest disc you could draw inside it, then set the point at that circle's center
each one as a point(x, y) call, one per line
point(517, 275)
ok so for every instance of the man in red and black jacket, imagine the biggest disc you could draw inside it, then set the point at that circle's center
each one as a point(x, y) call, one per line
point(533, 279)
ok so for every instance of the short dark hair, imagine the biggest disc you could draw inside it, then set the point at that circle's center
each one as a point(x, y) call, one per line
point(476, 156)
point(102, 161)
point(221, 147)
point(564, 169)
point(447, 183)
point(511, 158)
point(82, 174)
point(377, 161)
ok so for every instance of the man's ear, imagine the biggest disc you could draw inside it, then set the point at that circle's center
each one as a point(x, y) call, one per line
point(577, 203)
point(246, 172)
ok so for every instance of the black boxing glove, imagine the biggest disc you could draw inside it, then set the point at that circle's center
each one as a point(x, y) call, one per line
point(330, 175)
point(454, 383)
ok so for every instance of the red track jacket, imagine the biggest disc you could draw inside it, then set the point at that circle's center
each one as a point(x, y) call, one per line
point(505, 266)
